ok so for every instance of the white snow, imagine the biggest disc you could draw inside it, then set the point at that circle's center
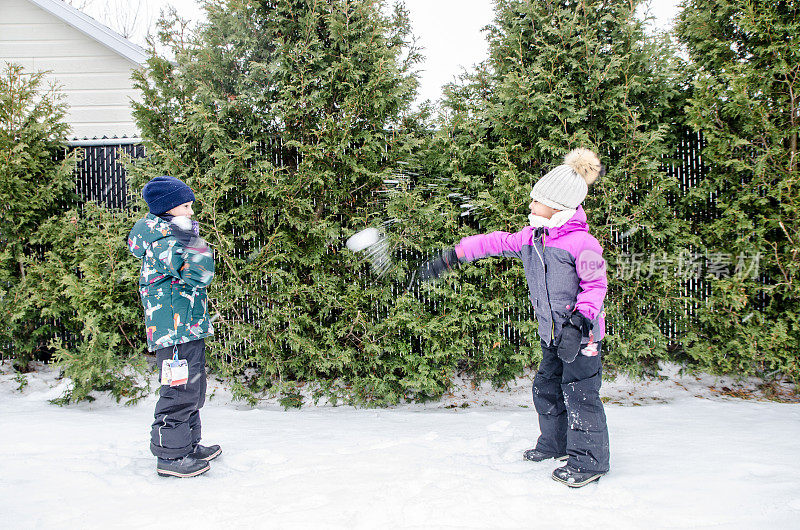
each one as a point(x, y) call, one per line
point(689, 457)
point(363, 239)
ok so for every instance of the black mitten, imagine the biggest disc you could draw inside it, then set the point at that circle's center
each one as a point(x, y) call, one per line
point(435, 268)
point(575, 327)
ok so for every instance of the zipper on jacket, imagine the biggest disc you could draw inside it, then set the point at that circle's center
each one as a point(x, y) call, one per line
point(546, 290)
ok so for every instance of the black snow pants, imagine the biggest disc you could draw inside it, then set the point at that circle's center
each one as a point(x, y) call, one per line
point(571, 416)
point(176, 429)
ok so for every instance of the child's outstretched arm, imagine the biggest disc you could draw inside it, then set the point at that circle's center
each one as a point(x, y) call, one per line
point(470, 249)
point(498, 243)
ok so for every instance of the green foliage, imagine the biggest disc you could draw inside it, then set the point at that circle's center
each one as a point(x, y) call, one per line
point(66, 270)
point(22, 381)
point(291, 400)
point(561, 75)
point(287, 117)
point(290, 102)
point(34, 182)
point(88, 281)
point(746, 103)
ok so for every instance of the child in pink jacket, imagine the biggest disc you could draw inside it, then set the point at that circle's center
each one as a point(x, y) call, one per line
point(566, 276)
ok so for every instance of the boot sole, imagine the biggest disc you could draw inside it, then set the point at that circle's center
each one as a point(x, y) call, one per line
point(593, 478)
point(212, 457)
point(167, 473)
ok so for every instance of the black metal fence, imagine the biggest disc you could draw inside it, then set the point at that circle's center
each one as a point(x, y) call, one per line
point(100, 177)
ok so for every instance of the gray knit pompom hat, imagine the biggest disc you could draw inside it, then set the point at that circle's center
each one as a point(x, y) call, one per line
point(565, 186)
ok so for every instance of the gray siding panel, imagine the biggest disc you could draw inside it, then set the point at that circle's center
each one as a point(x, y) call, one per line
point(95, 80)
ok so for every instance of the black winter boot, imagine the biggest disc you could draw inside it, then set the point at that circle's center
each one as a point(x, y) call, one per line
point(537, 456)
point(181, 467)
point(207, 453)
point(573, 478)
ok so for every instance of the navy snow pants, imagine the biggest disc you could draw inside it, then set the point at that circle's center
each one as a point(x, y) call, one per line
point(176, 429)
point(571, 416)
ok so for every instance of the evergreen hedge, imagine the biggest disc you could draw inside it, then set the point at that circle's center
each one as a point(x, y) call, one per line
point(745, 59)
point(34, 185)
point(561, 75)
point(287, 119)
point(315, 84)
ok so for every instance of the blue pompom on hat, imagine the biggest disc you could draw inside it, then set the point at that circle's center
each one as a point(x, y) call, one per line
point(165, 193)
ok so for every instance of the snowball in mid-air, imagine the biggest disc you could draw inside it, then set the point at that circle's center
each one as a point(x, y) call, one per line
point(183, 222)
point(361, 240)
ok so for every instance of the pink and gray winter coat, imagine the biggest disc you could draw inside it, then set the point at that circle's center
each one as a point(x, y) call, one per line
point(564, 267)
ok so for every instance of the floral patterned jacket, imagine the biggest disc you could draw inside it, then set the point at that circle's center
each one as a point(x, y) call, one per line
point(172, 284)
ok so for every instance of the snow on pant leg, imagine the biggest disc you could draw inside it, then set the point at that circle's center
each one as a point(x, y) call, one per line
point(194, 420)
point(587, 434)
point(171, 435)
point(549, 403)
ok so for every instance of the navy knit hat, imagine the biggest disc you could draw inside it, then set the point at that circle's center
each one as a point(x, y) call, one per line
point(165, 193)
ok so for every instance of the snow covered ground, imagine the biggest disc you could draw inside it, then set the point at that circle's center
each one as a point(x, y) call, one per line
point(688, 457)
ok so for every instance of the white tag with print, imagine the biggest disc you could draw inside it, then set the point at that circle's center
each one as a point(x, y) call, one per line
point(174, 372)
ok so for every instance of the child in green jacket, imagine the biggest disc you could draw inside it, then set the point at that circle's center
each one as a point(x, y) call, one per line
point(177, 266)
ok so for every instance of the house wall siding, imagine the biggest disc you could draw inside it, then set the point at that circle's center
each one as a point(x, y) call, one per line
point(95, 80)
